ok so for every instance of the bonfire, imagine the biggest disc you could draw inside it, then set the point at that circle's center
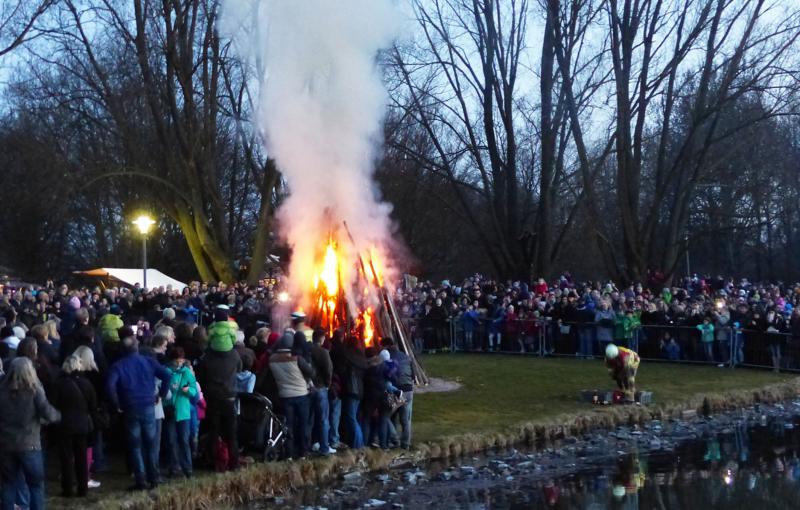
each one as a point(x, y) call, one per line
point(360, 306)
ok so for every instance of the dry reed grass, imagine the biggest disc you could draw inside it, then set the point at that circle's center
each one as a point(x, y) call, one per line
point(271, 479)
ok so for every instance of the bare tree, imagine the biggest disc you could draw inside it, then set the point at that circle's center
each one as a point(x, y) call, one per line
point(163, 84)
point(462, 90)
point(18, 22)
point(707, 53)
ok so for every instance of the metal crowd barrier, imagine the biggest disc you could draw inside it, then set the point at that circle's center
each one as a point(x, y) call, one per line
point(671, 343)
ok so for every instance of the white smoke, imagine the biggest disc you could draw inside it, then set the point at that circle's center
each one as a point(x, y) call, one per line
point(321, 102)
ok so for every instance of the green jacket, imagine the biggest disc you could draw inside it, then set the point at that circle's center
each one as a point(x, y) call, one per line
point(181, 376)
point(222, 336)
point(109, 325)
point(707, 332)
point(624, 326)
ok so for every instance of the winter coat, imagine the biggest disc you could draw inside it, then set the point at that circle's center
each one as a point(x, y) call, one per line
point(21, 417)
point(131, 382)
point(672, 351)
point(222, 336)
point(706, 332)
point(374, 384)
point(722, 326)
point(182, 401)
point(356, 363)
point(67, 322)
point(469, 321)
point(108, 326)
point(405, 371)
point(605, 325)
point(291, 373)
point(245, 382)
point(511, 323)
point(323, 366)
point(74, 396)
point(216, 373)
point(624, 326)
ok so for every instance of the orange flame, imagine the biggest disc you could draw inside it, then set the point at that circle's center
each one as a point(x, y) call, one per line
point(369, 329)
point(328, 310)
point(329, 275)
point(377, 266)
point(326, 287)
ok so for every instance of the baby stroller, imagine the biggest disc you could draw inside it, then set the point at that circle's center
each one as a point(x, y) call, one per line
point(260, 429)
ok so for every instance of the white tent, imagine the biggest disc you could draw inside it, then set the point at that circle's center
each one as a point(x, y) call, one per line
point(155, 278)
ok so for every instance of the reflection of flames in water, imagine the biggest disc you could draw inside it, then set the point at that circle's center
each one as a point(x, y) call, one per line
point(330, 306)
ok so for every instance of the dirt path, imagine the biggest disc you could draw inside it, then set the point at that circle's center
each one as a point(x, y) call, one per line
point(437, 385)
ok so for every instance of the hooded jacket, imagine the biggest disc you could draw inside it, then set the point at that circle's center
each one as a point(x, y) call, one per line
point(222, 336)
point(182, 401)
point(109, 325)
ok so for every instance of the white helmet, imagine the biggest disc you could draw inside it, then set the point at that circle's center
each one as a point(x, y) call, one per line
point(611, 351)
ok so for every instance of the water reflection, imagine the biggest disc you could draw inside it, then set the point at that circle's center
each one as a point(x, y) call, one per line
point(740, 467)
point(736, 469)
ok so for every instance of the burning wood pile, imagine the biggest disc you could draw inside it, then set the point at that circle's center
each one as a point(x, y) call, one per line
point(367, 310)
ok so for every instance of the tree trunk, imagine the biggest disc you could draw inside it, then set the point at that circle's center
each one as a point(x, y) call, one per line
point(261, 241)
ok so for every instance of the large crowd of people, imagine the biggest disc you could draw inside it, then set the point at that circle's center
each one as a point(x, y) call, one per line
point(159, 375)
point(716, 320)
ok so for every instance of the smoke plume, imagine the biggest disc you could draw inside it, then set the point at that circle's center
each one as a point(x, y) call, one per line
point(321, 102)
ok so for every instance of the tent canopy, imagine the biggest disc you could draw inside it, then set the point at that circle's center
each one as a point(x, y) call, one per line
point(155, 278)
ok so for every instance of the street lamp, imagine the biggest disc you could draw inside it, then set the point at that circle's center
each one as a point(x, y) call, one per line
point(143, 223)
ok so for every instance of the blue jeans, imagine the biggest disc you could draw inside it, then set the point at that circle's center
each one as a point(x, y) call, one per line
point(320, 432)
point(708, 349)
point(31, 465)
point(738, 348)
point(140, 427)
point(297, 410)
point(725, 350)
point(98, 453)
point(350, 411)
point(378, 428)
point(180, 448)
point(404, 419)
point(335, 415)
point(157, 444)
point(586, 344)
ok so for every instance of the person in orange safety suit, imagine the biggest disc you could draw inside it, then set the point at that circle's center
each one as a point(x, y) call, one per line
point(622, 366)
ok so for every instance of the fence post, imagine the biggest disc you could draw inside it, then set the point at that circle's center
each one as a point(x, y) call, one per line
point(732, 348)
point(541, 338)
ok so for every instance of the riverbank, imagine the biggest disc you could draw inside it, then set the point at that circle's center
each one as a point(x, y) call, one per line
point(739, 459)
point(502, 401)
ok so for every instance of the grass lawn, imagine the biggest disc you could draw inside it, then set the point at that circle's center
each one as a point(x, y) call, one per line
point(499, 391)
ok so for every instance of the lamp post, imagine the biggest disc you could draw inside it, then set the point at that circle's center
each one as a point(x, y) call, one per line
point(143, 223)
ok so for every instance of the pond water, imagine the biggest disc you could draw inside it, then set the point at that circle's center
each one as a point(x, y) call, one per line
point(742, 460)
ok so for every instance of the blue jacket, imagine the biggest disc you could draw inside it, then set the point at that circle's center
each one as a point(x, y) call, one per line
point(131, 382)
point(470, 321)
